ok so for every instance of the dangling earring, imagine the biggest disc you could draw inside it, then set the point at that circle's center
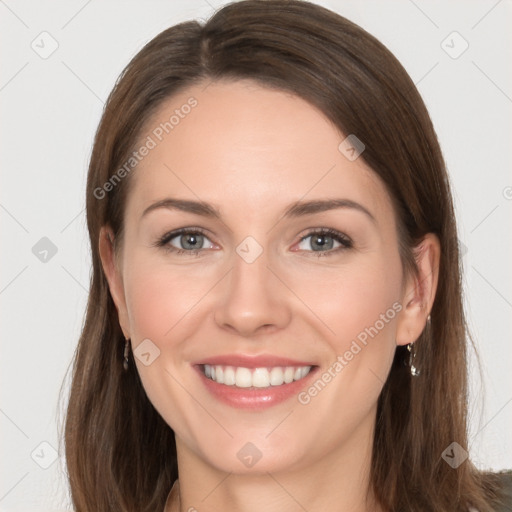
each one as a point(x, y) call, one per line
point(126, 352)
point(412, 355)
point(415, 372)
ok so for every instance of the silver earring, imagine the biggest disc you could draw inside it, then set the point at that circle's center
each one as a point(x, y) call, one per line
point(126, 352)
point(415, 372)
point(412, 355)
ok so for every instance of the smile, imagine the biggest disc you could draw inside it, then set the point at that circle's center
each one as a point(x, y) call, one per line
point(241, 377)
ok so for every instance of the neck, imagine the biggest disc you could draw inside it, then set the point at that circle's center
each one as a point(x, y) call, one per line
point(339, 480)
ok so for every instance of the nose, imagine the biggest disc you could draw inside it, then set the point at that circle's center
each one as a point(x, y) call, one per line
point(253, 300)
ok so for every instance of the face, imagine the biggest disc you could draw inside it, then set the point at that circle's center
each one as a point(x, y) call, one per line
point(259, 279)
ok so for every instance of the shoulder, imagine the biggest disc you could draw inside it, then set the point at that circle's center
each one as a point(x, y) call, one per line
point(505, 483)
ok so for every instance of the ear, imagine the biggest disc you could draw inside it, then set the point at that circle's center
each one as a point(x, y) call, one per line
point(420, 291)
point(114, 277)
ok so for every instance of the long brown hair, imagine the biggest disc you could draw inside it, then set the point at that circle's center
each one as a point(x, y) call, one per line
point(120, 453)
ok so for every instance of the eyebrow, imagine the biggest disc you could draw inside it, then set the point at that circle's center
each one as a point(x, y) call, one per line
point(298, 209)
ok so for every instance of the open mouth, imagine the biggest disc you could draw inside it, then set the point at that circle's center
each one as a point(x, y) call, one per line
point(264, 377)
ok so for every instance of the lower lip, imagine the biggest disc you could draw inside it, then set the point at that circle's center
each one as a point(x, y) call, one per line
point(254, 398)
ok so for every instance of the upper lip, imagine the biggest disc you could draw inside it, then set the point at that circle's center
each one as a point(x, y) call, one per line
point(247, 361)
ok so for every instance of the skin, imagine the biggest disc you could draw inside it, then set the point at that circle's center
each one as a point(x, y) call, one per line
point(253, 152)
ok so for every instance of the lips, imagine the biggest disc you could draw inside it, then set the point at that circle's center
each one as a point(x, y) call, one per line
point(254, 381)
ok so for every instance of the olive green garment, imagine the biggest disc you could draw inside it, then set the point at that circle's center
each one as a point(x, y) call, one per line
point(506, 478)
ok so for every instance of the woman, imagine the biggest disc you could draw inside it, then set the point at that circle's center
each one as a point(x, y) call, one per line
point(275, 310)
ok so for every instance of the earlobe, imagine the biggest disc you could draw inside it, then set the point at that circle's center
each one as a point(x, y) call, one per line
point(420, 291)
point(113, 276)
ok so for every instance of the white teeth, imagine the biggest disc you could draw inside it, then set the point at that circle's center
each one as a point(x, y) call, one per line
point(276, 376)
point(288, 374)
point(243, 378)
point(229, 375)
point(255, 377)
point(261, 378)
point(304, 371)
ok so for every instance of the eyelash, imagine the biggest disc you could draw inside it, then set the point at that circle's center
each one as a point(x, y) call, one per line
point(164, 241)
point(345, 241)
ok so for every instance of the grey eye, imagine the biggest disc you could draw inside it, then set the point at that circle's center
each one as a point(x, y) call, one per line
point(188, 241)
point(318, 242)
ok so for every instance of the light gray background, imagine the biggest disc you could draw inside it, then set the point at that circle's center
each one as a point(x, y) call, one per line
point(50, 109)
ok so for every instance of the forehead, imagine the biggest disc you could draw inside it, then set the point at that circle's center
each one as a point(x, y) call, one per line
point(242, 145)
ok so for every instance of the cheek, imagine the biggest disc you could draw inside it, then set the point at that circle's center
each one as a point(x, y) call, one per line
point(358, 308)
point(162, 302)
point(356, 302)
point(159, 298)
